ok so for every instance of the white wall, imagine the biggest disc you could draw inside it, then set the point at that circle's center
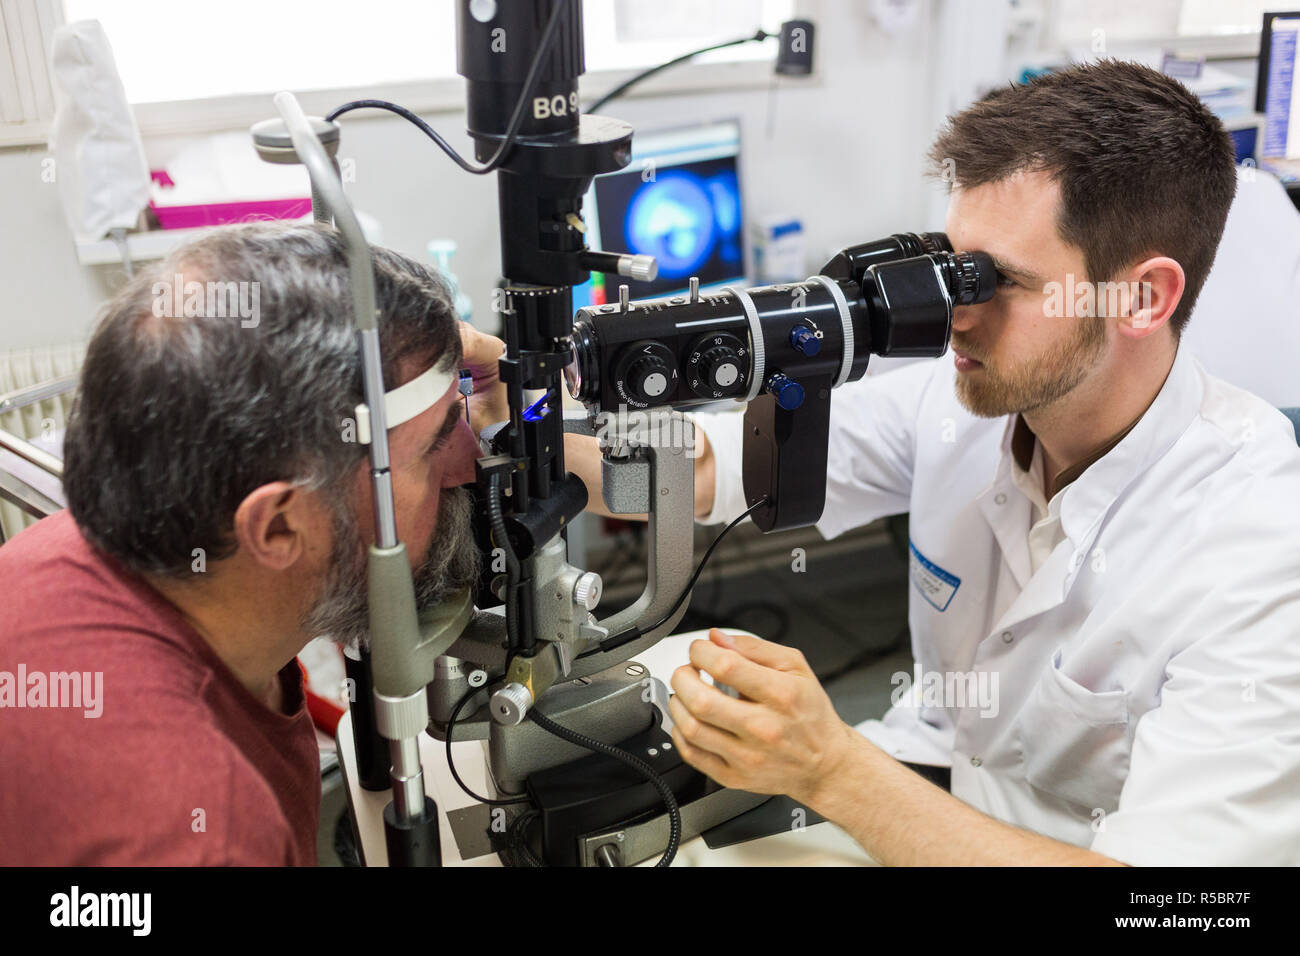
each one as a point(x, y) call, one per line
point(846, 153)
point(46, 296)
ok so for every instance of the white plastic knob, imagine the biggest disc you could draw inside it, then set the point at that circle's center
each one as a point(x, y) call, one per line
point(587, 590)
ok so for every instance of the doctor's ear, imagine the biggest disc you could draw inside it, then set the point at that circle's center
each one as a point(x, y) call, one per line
point(1151, 292)
point(271, 524)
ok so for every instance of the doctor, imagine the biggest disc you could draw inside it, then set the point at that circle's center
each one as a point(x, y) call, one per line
point(1105, 540)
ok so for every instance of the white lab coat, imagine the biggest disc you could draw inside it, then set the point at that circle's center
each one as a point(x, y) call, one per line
point(1148, 675)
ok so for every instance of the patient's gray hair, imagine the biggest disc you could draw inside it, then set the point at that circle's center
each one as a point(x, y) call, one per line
point(178, 418)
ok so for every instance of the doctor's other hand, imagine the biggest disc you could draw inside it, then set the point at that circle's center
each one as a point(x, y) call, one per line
point(782, 736)
point(480, 354)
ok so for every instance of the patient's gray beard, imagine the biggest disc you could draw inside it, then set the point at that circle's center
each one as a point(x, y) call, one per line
point(343, 611)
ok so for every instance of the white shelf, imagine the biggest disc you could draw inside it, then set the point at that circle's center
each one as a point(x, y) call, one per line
point(142, 246)
point(157, 243)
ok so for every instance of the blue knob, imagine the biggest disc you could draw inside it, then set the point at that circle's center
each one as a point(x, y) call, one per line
point(805, 340)
point(788, 392)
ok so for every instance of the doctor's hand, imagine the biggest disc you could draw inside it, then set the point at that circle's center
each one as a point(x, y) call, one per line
point(480, 353)
point(782, 736)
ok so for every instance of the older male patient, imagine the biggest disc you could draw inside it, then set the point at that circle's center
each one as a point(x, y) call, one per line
point(218, 520)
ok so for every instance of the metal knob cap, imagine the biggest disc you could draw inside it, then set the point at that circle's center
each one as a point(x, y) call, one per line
point(510, 704)
point(274, 144)
point(640, 267)
point(586, 591)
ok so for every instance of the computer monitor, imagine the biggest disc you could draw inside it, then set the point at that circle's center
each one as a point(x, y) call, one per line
point(679, 200)
point(1278, 94)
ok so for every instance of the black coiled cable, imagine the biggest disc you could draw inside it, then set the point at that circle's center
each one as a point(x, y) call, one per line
point(502, 541)
point(636, 763)
point(518, 851)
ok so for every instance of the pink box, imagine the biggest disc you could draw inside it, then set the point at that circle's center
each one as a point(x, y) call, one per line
point(221, 213)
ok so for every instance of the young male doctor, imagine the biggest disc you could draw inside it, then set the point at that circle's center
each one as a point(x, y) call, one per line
point(1098, 524)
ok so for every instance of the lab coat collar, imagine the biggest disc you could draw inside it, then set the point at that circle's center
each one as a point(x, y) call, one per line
point(1010, 526)
point(1088, 498)
point(1024, 450)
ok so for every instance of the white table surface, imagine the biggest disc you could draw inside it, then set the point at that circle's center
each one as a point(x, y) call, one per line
point(822, 844)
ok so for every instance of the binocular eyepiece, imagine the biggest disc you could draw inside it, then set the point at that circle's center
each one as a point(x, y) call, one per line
point(893, 296)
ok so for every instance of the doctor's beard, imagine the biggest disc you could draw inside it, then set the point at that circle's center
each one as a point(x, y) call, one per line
point(993, 391)
point(342, 612)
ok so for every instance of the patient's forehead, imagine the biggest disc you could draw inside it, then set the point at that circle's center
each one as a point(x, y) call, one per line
point(411, 438)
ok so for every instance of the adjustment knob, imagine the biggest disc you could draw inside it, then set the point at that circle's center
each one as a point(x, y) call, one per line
point(649, 376)
point(805, 340)
point(646, 374)
point(586, 590)
point(510, 704)
point(717, 365)
point(788, 392)
point(720, 368)
point(640, 267)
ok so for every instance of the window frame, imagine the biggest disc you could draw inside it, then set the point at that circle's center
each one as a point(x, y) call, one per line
point(444, 95)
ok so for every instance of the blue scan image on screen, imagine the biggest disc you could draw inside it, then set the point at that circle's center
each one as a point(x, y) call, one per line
point(672, 219)
point(725, 192)
point(679, 200)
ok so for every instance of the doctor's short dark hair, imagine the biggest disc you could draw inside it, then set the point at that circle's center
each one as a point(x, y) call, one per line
point(178, 416)
point(1143, 166)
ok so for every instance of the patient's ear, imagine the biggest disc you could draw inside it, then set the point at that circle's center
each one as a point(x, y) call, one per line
point(271, 524)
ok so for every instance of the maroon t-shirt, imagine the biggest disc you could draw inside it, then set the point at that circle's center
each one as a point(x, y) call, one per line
point(154, 753)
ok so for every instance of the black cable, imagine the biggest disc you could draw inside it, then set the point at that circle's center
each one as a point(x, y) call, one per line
point(632, 633)
point(502, 540)
point(715, 588)
point(646, 74)
point(516, 119)
point(451, 764)
point(517, 852)
point(636, 763)
point(702, 612)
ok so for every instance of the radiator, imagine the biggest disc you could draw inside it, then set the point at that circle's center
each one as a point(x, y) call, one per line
point(45, 419)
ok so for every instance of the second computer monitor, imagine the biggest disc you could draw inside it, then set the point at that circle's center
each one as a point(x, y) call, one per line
point(679, 200)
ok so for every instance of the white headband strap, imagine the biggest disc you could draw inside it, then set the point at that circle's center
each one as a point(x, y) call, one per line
point(406, 401)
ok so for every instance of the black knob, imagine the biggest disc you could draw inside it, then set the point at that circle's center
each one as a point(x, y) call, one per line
point(720, 368)
point(650, 376)
point(646, 374)
point(717, 366)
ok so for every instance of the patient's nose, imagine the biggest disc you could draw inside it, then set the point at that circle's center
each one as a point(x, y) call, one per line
point(462, 451)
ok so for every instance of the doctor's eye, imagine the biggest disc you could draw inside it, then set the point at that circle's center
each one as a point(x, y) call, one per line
point(1005, 281)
